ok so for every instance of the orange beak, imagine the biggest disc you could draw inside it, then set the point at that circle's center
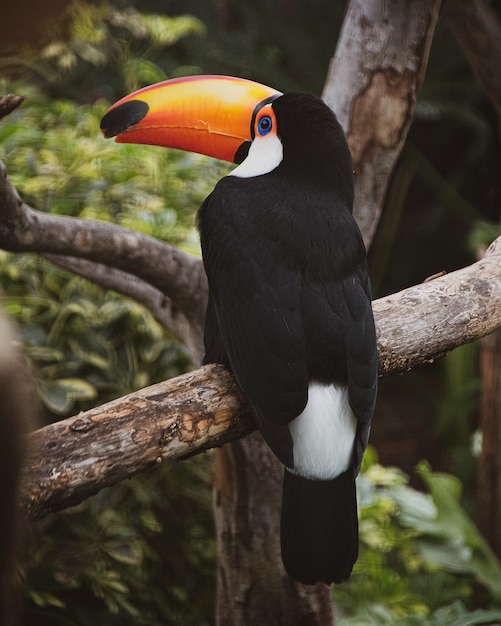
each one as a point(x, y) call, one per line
point(212, 115)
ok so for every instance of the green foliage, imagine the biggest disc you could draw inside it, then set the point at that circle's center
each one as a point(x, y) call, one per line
point(482, 234)
point(421, 556)
point(60, 163)
point(136, 554)
point(286, 45)
point(452, 542)
point(87, 345)
point(119, 42)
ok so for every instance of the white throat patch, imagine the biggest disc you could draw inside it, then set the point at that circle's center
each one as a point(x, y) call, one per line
point(265, 154)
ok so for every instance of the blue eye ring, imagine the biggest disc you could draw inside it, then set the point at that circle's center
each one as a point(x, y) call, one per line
point(264, 125)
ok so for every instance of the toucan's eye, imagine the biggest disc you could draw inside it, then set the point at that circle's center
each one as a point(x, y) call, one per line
point(264, 125)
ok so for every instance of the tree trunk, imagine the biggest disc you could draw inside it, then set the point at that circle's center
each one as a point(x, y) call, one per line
point(247, 497)
point(488, 492)
point(373, 83)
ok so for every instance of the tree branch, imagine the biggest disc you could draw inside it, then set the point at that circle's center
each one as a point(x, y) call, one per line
point(77, 457)
point(424, 322)
point(72, 459)
point(178, 275)
point(160, 305)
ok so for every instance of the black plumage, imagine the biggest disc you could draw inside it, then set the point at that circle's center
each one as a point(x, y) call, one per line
point(290, 304)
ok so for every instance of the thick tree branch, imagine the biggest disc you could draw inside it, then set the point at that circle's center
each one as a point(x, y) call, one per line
point(424, 322)
point(77, 457)
point(74, 458)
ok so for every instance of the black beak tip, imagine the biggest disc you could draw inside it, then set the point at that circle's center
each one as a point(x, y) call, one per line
point(122, 117)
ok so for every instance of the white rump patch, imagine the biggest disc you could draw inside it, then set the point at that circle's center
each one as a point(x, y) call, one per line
point(265, 154)
point(324, 433)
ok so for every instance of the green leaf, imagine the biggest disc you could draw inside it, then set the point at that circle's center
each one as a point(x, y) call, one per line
point(55, 398)
point(457, 615)
point(60, 395)
point(126, 552)
point(93, 349)
point(43, 599)
point(462, 547)
point(78, 389)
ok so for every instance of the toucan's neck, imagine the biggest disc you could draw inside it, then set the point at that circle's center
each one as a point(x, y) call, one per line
point(315, 152)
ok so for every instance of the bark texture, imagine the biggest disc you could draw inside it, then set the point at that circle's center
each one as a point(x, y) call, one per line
point(433, 313)
point(74, 458)
point(8, 103)
point(372, 85)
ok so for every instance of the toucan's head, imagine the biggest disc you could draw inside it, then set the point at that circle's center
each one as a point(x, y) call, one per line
point(233, 119)
point(214, 115)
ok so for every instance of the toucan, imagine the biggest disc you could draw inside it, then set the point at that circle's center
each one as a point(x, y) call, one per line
point(289, 306)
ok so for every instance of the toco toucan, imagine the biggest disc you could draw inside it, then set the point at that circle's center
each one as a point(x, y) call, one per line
point(289, 307)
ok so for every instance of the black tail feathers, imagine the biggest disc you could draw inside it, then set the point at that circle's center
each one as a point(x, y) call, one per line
point(319, 530)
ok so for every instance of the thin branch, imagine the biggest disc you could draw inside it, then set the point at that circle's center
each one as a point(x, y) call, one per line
point(77, 457)
point(161, 306)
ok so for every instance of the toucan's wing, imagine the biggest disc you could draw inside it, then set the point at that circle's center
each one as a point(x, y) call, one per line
point(215, 352)
point(341, 338)
point(362, 357)
point(361, 344)
point(254, 312)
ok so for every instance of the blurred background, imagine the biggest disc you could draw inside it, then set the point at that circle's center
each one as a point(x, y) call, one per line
point(143, 552)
